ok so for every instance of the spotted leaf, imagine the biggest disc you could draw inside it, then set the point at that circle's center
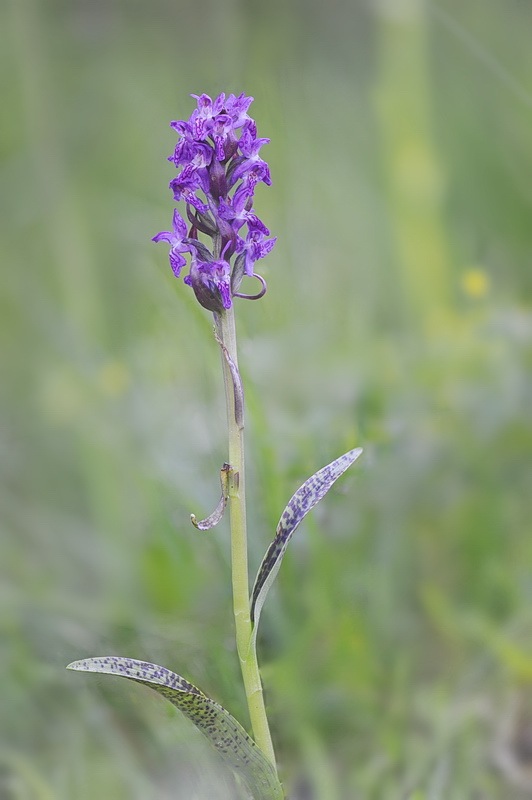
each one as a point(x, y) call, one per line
point(226, 735)
point(306, 497)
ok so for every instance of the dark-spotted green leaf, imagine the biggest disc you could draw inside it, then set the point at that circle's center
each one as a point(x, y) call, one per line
point(226, 735)
point(306, 497)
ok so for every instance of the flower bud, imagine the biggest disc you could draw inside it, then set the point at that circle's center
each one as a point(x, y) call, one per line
point(211, 283)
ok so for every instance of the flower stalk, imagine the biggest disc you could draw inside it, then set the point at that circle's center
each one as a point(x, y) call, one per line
point(226, 333)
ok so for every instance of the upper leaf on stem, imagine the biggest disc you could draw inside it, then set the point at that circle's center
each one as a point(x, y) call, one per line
point(301, 502)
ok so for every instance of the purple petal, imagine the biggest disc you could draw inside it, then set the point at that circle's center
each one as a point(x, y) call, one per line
point(179, 224)
point(177, 262)
point(163, 236)
point(182, 127)
point(256, 224)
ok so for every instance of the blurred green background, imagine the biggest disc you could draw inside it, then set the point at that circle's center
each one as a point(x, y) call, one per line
point(397, 645)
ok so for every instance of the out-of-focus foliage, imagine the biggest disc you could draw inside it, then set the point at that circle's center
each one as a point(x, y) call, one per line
point(396, 646)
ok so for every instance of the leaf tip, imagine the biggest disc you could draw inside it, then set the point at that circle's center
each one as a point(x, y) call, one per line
point(84, 665)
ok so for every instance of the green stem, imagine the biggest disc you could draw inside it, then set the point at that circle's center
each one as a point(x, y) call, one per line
point(226, 332)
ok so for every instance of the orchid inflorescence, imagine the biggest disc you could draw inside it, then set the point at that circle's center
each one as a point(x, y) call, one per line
point(217, 155)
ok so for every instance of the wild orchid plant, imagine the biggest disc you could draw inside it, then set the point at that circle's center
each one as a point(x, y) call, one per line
point(219, 166)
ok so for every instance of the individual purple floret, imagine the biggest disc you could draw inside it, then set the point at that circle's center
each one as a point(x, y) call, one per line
point(218, 164)
point(175, 238)
point(256, 246)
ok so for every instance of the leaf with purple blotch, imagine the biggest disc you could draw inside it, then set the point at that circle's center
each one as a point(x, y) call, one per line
point(306, 497)
point(226, 735)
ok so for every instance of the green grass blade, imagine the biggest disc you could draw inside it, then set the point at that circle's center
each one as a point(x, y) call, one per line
point(306, 497)
point(227, 736)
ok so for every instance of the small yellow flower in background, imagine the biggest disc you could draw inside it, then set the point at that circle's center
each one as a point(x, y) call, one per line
point(475, 282)
point(114, 378)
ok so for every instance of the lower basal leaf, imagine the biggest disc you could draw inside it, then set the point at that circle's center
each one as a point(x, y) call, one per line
point(226, 735)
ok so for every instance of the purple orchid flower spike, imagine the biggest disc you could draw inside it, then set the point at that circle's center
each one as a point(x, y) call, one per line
point(218, 167)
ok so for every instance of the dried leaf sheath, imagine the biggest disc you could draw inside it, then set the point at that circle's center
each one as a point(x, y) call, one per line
point(213, 519)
